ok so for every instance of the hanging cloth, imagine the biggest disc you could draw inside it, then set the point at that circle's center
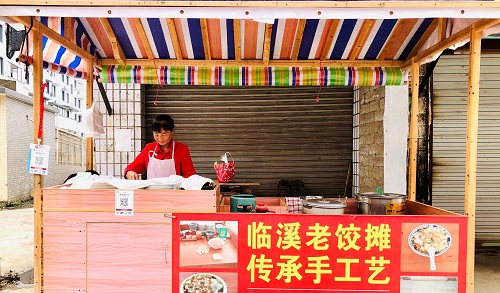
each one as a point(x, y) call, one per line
point(14, 40)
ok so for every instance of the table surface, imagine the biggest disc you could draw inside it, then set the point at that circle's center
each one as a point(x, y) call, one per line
point(190, 258)
point(237, 183)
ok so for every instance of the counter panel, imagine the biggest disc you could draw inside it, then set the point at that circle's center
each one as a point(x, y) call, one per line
point(94, 251)
point(166, 201)
point(87, 248)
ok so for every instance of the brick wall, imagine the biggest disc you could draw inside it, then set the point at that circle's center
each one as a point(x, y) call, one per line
point(371, 138)
point(19, 116)
point(18, 135)
point(3, 149)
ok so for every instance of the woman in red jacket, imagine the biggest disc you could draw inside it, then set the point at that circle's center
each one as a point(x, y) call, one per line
point(164, 157)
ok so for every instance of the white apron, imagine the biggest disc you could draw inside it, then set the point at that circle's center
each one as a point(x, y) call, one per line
point(161, 168)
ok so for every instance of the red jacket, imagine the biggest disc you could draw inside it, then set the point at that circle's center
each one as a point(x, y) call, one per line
point(183, 163)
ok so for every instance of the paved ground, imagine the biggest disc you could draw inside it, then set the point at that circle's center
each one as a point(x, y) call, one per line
point(487, 270)
point(16, 244)
point(16, 253)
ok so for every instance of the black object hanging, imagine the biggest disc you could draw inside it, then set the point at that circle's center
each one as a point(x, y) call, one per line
point(15, 40)
point(104, 95)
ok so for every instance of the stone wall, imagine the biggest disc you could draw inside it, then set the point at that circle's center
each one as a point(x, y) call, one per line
point(371, 138)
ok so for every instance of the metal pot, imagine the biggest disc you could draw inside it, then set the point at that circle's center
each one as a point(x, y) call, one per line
point(363, 201)
point(242, 203)
point(209, 234)
point(370, 203)
point(324, 206)
point(363, 207)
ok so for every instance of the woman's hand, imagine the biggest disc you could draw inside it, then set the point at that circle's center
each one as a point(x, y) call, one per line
point(131, 175)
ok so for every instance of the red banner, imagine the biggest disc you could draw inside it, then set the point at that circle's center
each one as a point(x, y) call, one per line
point(318, 253)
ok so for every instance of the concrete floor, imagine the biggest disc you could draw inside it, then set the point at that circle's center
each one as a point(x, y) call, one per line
point(16, 253)
point(487, 270)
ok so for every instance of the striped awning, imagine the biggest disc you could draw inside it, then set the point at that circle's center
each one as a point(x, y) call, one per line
point(59, 69)
point(284, 31)
point(253, 76)
point(59, 58)
point(174, 39)
point(354, 36)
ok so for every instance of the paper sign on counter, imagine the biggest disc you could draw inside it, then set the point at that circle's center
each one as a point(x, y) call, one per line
point(124, 202)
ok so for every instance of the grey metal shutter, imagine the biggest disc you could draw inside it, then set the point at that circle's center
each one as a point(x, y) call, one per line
point(450, 120)
point(272, 133)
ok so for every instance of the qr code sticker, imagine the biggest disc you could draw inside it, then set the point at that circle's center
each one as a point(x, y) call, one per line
point(39, 160)
point(123, 202)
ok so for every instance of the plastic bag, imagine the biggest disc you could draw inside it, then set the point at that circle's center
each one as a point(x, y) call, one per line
point(225, 171)
point(93, 121)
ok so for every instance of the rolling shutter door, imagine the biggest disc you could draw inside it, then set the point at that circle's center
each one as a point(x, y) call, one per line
point(272, 133)
point(449, 134)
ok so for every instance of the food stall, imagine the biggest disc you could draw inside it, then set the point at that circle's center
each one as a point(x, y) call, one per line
point(171, 239)
point(85, 242)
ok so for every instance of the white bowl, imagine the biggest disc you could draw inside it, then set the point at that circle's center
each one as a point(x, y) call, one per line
point(440, 239)
point(216, 243)
point(191, 282)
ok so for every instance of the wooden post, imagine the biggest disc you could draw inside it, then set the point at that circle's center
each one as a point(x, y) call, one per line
point(89, 154)
point(412, 169)
point(38, 179)
point(471, 151)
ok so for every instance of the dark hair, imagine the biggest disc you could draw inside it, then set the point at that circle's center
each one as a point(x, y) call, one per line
point(165, 122)
point(92, 172)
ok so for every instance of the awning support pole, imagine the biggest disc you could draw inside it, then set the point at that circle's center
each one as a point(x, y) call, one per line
point(89, 154)
point(471, 151)
point(37, 178)
point(412, 170)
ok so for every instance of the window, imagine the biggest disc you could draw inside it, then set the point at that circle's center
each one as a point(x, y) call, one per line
point(67, 79)
point(1, 33)
point(71, 89)
point(79, 104)
point(74, 102)
point(52, 90)
point(63, 95)
point(13, 71)
point(62, 78)
point(70, 149)
point(1, 66)
point(67, 114)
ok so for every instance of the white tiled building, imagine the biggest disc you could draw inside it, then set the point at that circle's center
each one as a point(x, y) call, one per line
point(63, 131)
point(64, 92)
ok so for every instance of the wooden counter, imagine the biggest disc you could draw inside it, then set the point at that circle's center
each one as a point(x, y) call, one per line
point(237, 186)
point(412, 208)
point(87, 248)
